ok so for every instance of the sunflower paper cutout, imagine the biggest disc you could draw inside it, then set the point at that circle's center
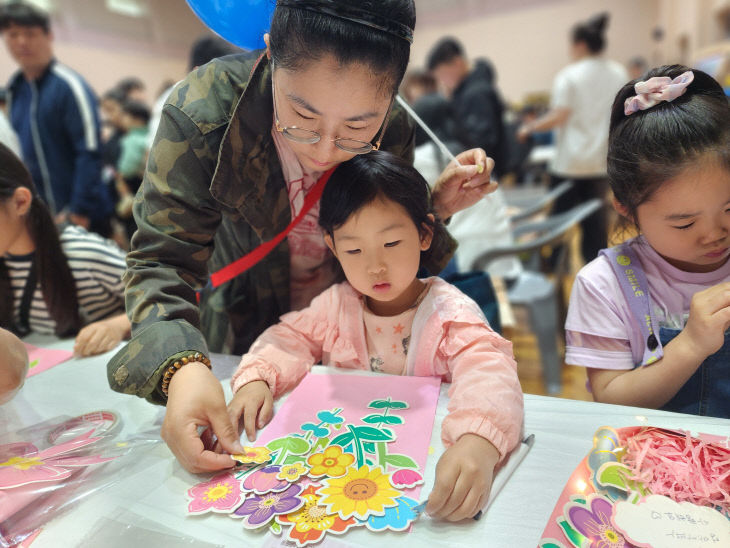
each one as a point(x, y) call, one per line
point(312, 522)
point(361, 493)
point(331, 462)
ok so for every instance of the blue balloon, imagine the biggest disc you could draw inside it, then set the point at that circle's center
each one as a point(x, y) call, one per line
point(241, 22)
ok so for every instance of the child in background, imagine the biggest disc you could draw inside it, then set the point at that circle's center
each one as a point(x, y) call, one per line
point(65, 284)
point(375, 214)
point(648, 318)
point(132, 159)
point(13, 365)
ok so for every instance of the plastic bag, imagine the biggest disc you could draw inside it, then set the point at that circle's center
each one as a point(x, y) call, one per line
point(49, 467)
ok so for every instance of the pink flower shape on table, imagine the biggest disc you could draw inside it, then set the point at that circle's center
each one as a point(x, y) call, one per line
point(595, 524)
point(265, 480)
point(22, 463)
point(259, 509)
point(220, 494)
point(253, 455)
point(292, 472)
point(405, 478)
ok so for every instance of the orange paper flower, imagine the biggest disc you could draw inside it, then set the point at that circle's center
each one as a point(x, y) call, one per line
point(311, 522)
point(332, 462)
point(253, 455)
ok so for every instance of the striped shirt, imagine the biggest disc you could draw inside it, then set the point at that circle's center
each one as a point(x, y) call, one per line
point(96, 265)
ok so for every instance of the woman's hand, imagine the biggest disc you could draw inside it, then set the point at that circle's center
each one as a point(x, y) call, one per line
point(463, 479)
point(461, 186)
point(195, 398)
point(102, 336)
point(255, 403)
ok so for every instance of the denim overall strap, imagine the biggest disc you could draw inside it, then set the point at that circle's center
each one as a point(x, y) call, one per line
point(707, 391)
point(635, 288)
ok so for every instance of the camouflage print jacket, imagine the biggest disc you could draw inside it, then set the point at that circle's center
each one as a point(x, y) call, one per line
point(213, 191)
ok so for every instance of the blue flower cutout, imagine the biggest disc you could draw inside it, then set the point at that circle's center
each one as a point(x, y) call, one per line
point(316, 430)
point(397, 518)
point(328, 417)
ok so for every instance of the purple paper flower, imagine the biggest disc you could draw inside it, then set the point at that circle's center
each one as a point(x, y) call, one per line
point(259, 509)
point(595, 524)
point(264, 480)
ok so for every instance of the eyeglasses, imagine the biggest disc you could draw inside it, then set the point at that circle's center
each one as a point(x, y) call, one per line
point(308, 136)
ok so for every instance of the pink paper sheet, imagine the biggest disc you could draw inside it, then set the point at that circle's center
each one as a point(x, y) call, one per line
point(353, 393)
point(42, 359)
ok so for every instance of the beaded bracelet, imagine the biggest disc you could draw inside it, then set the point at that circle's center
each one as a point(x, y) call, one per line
point(177, 364)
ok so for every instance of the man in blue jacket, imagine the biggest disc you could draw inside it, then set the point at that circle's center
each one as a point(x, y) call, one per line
point(54, 112)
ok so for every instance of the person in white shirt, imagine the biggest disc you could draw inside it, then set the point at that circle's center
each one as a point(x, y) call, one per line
point(582, 96)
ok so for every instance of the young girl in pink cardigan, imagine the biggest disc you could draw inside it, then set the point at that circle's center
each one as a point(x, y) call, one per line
point(375, 214)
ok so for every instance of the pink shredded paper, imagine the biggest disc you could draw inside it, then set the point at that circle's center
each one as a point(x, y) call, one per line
point(680, 467)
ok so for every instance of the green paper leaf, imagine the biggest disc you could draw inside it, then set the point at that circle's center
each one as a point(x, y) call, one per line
point(343, 440)
point(380, 419)
point(575, 538)
point(292, 458)
point(373, 434)
point(275, 528)
point(387, 404)
point(290, 444)
point(368, 447)
point(400, 461)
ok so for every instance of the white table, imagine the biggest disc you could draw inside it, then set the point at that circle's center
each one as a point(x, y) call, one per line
point(153, 495)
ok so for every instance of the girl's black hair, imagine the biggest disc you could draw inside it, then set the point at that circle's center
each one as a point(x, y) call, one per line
point(300, 36)
point(57, 283)
point(651, 146)
point(591, 33)
point(367, 177)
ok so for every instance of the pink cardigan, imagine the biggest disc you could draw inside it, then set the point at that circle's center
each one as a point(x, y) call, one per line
point(450, 338)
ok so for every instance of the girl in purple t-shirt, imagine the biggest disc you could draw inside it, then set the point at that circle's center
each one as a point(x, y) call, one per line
point(648, 318)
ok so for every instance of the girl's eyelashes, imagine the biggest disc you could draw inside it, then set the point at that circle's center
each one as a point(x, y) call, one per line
point(684, 227)
point(392, 244)
point(352, 251)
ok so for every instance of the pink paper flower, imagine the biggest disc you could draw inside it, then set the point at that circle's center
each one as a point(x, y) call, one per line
point(22, 463)
point(264, 480)
point(220, 494)
point(405, 478)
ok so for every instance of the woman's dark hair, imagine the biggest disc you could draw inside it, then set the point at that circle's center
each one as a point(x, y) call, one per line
point(136, 110)
point(57, 283)
point(445, 50)
point(591, 33)
point(651, 146)
point(300, 36)
point(367, 177)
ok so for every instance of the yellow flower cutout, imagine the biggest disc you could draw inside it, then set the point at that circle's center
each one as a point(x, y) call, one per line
point(332, 462)
point(360, 493)
point(292, 472)
point(253, 455)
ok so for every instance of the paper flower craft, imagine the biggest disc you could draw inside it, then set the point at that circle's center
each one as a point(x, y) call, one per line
point(253, 455)
point(292, 472)
point(311, 522)
point(595, 523)
point(405, 479)
point(22, 463)
point(396, 518)
point(220, 494)
point(265, 480)
point(259, 509)
point(331, 462)
point(361, 493)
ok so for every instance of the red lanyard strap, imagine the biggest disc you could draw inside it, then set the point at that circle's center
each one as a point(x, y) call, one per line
point(241, 265)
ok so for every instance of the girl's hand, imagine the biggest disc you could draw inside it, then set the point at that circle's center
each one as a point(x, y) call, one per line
point(255, 403)
point(459, 187)
point(195, 398)
point(463, 479)
point(709, 318)
point(102, 336)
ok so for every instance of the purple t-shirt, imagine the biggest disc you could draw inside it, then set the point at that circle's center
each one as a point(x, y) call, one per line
point(600, 330)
